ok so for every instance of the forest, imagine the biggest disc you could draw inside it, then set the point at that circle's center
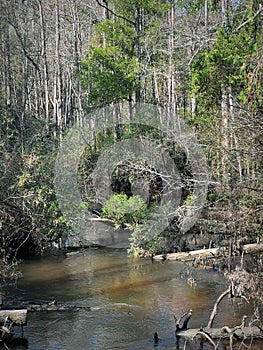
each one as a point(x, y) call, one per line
point(197, 63)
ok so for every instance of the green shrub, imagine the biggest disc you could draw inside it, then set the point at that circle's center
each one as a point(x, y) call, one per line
point(125, 210)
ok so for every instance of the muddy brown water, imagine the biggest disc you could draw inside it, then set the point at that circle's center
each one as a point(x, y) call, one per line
point(130, 300)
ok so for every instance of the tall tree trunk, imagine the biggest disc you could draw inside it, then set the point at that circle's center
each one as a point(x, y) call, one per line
point(206, 19)
point(76, 85)
point(233, 133)
point(138, 29)
point(45, 64)
point(171, 79)
point(224, 131)
point(57, 102)
point(6, 85)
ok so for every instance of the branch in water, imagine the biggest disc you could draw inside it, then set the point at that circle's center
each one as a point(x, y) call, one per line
point(214, 312)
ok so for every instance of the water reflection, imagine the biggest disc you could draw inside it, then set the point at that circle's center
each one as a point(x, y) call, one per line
point(130, 299)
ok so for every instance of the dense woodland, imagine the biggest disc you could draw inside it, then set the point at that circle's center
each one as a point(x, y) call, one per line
point(200, 60)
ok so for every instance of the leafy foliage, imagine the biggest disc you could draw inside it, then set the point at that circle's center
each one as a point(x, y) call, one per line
point(30, 219)
point(109, 75)
point(114, 67)
point(227, 63)
point(35, 187)
point(126, 210)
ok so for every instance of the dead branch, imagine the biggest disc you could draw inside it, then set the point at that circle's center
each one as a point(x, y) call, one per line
point(115, 14)
point(250, 19)
point(230, 332)
point(214, 312)
point(182, 322)
point(217, 333)
point(207, 336)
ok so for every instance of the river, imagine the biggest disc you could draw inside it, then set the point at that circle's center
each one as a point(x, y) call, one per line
point(130, 300)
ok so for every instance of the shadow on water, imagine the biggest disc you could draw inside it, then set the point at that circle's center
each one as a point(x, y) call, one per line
point(130, 299)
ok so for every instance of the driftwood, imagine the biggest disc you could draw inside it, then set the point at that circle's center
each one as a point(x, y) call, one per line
point(208, 253)
point(252, 248)
point(182, 322)
point(239, 332)
point(214, 312)
point(190, 256)
point(17, 317)
point(33, 307)
point(55, 307)
point(252, 332)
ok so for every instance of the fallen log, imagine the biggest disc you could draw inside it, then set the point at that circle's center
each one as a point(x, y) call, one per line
point(33, 307)
point(190, 256)
point(252, 248)
point(240, 332)
point(208, 253)
point(252, 332)
point(55, 307)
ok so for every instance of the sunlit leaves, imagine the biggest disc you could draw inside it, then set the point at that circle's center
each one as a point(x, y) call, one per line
point(125, 210)
point(109, 75)
point(225, 64)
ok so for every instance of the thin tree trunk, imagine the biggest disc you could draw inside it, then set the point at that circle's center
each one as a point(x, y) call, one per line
point(76, 87)
point(233, 133)
point(57, 76)
point(206, 19)
point(138, 29)
point(225, 136)
point(171, 82)
point(45, 64)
